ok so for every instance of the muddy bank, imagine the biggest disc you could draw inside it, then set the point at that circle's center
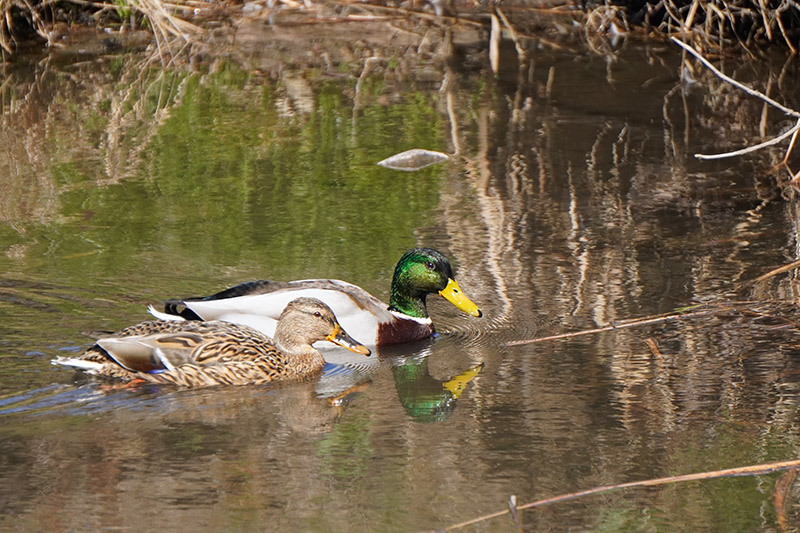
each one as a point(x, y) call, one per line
point(192, 26)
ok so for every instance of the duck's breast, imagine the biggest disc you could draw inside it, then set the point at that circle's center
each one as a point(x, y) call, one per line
point(404, 329)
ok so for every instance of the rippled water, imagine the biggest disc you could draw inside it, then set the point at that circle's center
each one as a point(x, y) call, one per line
point(571, 201)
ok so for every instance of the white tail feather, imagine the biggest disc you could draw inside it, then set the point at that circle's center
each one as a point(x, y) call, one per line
point(164, 316)
point(88, 366)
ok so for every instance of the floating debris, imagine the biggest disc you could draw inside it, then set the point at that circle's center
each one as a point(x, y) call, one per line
point(412, 160)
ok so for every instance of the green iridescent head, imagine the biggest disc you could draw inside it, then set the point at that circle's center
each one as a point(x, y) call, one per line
point(423, 271)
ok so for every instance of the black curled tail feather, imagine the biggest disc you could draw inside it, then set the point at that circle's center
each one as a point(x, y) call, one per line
point(178, 308)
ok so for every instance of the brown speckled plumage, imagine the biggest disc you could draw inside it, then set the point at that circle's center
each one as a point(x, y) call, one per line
point(196, 354)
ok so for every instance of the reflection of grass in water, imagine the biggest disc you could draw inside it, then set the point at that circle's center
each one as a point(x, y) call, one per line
point(227, 180)
point(68, 127)
point(732, 503)
point(346, 450)
point(231, 181)
point(623, 517)
point(276, 191)
point(728, 503)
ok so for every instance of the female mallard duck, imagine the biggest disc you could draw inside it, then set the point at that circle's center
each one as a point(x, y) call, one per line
point(419, 272)
point(196, 354)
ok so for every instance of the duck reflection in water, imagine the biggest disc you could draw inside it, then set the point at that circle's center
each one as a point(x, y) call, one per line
point(425, 398)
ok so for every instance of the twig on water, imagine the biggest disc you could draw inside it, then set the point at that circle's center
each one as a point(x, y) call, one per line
point(775, 140)
point(748, 308)
point(618, 325)
point(779, 270)
point(788, 111)
point(515, 516)
point(752, 470)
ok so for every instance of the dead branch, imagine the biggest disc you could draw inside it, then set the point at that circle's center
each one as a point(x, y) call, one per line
point(724, 77)
point(786, 110)
point(791, 131)
point(647, 321)
point(779, 270)
point(747, 308)
point(752, 470)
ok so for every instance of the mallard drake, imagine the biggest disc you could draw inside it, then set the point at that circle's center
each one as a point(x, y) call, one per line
point(194, 354)
point(419, 272)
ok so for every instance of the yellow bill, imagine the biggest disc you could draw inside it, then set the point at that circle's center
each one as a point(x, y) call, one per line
point(453, 294)
point(344, 340)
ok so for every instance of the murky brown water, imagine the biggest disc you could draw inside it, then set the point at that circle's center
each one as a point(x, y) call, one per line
point(572, 202)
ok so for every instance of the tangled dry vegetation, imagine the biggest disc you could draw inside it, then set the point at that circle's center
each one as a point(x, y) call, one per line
point(21, 19)
point(714, 24)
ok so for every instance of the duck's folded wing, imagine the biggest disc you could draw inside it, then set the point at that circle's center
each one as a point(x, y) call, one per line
point(153, 353)
point(269, 299)
point(177, 309)
point(259, 304)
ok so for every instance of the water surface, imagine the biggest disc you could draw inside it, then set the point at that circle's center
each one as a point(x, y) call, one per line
point(571, 200)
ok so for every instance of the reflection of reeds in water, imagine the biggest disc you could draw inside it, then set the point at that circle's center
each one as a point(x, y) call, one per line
point(29, 191)
point(80, 109)
point(588, 259)
point(168, 447)
point(602, 247)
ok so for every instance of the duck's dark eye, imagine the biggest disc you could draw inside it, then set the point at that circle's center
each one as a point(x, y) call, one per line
point(317, 314)
point(429, 265)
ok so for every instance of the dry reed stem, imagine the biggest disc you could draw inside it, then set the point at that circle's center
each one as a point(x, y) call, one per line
point(779, 270)
point(752, 470)
point(7, 22)
point(786, 110)
point(687, 24)
point(791, 143)
point(786, 38)
point(717, 22)
point(162, 22)
point(6, 26)
point(742, 307)
point(106, 6)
